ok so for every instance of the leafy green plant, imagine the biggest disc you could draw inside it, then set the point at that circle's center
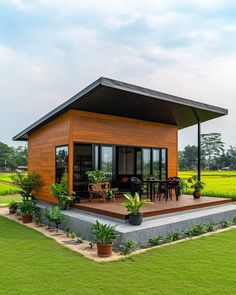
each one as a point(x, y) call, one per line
point(175, 236)
point(56, 216)
point(109, 194)
point(80, 241)
point(37, 217)
point(128, 247)
point(234, 220)
point(27, 183)
point(105, 234)
point(183, 185)
point(13, 205)
point(209, 227)
point(134, 203)
point(155, 240)
point(48, 215)
point(195, 231)
point(73, 235)
point(224, 223)
point(61, 192)
point(97, 176)
point(27, 207)
point(196, 184)
point(53, 215)
point(67, 231)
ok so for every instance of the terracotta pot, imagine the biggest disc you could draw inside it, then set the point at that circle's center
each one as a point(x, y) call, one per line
point(104, 250)
point(27, 218)
point(136, 219)
point(12, 210)
point(196, 194)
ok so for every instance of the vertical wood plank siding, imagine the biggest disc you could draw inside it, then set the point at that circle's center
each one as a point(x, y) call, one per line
point(81, 126)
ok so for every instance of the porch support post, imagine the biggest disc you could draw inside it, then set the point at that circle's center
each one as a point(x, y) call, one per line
point(199, 150)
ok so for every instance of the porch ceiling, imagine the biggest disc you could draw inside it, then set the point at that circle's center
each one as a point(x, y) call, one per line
point(113, 97)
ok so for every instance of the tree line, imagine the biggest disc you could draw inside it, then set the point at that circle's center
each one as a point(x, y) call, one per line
point(11, 158)
point(214, 156)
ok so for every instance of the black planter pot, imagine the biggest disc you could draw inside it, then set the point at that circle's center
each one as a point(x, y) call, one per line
point(136, 219)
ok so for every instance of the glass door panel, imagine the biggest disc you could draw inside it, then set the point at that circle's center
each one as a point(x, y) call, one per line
point(156, 169)
point(107, 160)
point(146, 163)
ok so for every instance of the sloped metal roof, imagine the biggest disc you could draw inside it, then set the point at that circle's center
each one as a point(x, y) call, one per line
point(113, 97)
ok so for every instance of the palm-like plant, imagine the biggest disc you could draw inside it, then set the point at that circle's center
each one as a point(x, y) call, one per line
point(105, 234)
point(134, 203)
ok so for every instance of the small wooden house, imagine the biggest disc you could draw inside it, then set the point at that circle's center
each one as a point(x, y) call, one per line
point(123, 129)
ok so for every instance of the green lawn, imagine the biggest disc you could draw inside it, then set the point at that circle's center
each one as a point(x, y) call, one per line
point(218, 183)
point(7, 199)
point(33, 264)
point(6, 177)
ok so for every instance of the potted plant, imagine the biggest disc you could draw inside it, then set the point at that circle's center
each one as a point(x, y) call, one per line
point(96, 176)
point(27, 209)
point(13, 205)
point(105, 235)
point(61, 192)
point(197, 185)
point(109, 195)
point(133, 205)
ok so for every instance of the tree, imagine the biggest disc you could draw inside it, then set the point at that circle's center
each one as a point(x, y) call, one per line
point(188, 158)
point(11, 157)
point(212, 148)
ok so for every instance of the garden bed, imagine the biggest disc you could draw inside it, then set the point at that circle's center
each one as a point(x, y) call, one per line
point(129, 247)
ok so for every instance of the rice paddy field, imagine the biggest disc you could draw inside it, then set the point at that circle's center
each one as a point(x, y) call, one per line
point(218, 183)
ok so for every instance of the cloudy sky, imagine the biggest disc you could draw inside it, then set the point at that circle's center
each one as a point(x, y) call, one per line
point(50, 49)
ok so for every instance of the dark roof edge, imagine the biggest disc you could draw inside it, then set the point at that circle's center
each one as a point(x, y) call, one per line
point(122, 86)
point(161, 95)
point(56, 110)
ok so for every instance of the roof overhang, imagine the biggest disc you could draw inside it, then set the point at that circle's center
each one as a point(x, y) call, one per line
point(117, 98)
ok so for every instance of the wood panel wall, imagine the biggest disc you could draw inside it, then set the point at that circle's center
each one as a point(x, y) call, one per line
point(81, 126)
point(41, 144)
point(107, 129)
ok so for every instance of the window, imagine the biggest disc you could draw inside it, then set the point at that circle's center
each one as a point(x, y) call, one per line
point(96, 157)
point(61, 162)
point(156, 169)
point(163, 164)
point(125, 160)
point(146, 162)
point(106, 159)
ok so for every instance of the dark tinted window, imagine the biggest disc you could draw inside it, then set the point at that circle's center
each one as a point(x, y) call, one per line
point(61, 162)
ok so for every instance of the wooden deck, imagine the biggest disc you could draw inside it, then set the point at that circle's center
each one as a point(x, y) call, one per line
point(116, 210)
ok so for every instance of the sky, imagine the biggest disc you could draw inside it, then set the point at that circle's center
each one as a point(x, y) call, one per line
point(50, 50)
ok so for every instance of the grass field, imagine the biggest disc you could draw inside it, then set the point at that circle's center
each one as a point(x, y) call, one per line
point(7, 199)
point(218, 183)
point(6, 177)
point(7, 189)
point(33, 264)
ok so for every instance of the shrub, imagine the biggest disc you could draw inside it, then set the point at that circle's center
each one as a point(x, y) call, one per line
point(175, 236)
point(234, 220)
point(155, 241)
point(209, 227)
point(27, 207)
point(61, 192)
point(67, 231)
point(195, 231)
point(13, 205)
point(105, 234)
point(73, 235)
point(224, 223)
point(27, 183)
point(128, 247)
point(54, 215)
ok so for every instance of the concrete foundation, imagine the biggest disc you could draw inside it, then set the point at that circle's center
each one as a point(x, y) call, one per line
point(80, 222)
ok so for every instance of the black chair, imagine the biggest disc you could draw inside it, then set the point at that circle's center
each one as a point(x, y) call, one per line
point(136, 186)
